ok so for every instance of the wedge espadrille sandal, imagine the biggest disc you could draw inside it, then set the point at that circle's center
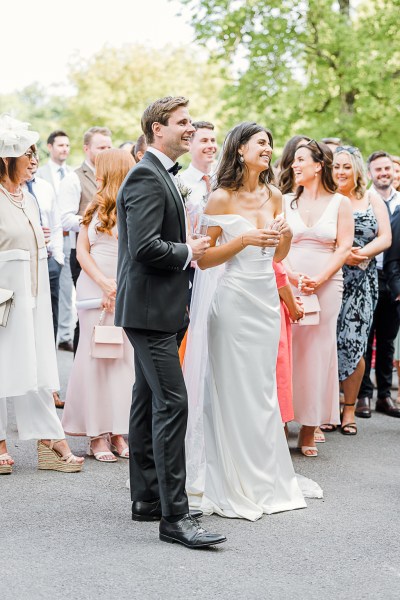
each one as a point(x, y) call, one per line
point(5, 469)
point(50, 459)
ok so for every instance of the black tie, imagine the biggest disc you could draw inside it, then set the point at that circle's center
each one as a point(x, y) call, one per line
point(174, 170)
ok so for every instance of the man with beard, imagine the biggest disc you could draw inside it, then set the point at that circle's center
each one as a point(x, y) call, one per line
point(386, 320)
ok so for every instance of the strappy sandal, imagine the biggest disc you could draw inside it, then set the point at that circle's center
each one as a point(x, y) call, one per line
point(305, 449)
point(50, 459)
point(101, 456)
point(352, 426)
point(319, 437)
point(5, 469)
point(125, 451)
point(328, 427)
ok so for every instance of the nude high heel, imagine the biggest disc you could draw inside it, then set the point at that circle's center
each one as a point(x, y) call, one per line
point(50, 459)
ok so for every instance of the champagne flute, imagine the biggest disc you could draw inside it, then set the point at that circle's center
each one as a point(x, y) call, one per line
point(270, 250)
point(201, 228)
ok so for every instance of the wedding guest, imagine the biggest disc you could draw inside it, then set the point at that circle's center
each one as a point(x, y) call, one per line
point(139, 148)
point(127, 146)
point(50, 219)
point(28, 367)
point(286, 181)
point(76, 192)
point(396, 185)
point(332, 143)
point(396, 172)
point(323, 227)
point(291, 309)
point(98, 397)
point(385, 324)
point(53, 172)
point(197, 177)
point(372, 235)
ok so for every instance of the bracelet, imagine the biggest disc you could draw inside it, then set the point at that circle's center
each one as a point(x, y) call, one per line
point(243, 246)
point(300, 283)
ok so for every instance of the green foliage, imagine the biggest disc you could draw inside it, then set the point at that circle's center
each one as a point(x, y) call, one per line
point(319, 67)
point(114, 87)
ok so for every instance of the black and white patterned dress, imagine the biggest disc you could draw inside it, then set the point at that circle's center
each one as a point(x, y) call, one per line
point(360, 295)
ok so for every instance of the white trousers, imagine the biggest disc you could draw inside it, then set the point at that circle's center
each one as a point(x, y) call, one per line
point(66, 308)
point(36, 417)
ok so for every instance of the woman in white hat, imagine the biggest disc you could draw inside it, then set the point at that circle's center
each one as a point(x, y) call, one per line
point(28, 367)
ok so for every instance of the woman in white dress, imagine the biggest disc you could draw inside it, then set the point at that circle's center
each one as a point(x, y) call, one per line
point(28, 367)
point(248, 468)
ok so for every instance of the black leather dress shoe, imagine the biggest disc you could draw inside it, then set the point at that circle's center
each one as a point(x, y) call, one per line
point(387, 406)
point(188, 532)
point(151, 511)
point(363, 407)
point(67, 346)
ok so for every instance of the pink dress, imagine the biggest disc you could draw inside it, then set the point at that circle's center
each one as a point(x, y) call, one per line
point(284, 360)
point(99, 391)
point(315, 362)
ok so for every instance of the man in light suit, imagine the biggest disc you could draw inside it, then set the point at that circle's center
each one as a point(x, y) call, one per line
point(77, 191)
point(154, 252)
point(54, 172)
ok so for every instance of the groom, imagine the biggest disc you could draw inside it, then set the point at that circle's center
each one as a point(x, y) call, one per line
point(153, 279)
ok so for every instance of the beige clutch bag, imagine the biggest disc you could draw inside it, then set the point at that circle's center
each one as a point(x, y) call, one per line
point(6, 300)
point(107, 340)
point(312, 309)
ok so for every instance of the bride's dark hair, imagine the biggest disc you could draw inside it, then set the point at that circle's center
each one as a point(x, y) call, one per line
point(230, 170)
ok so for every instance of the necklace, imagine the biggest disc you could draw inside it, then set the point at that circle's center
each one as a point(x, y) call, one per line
point(13, 197)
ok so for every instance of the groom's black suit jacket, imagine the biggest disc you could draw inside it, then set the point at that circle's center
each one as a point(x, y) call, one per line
point(152, 287)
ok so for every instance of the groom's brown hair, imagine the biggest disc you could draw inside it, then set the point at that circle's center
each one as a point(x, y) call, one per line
point(160, 112)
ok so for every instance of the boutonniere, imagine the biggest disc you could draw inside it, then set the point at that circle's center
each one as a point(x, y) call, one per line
point(184, 190)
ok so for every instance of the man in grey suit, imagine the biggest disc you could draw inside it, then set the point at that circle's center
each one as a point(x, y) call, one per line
point(154, 252)
point(54, 172)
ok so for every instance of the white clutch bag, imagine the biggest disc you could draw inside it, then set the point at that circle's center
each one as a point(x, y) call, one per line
point(312, 309)
point(6, 300)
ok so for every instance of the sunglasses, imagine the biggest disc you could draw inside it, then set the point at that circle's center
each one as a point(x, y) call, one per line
point(317, 145)
point(349, 149)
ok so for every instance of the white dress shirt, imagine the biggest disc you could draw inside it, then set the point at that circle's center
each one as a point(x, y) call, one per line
point(50, 215)
point(167, 163)
point(391, 202)
point(55, 174)
point(193, 179)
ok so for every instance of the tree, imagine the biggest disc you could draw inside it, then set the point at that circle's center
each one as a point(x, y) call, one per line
point(318, 67)
point(114, 87)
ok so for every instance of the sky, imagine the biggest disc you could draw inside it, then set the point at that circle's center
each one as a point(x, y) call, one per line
point(44, 36)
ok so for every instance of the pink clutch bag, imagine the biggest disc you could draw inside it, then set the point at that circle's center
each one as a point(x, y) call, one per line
point(107, 341)
point(311, 310)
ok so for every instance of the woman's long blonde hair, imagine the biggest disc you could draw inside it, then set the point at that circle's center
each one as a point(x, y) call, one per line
point(112, 167)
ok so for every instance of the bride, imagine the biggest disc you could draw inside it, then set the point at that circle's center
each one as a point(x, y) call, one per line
point(247, 469)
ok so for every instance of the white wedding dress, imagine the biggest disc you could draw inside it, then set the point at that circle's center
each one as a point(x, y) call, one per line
point(238, 461)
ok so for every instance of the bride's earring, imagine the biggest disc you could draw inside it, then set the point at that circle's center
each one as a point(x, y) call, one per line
point(241, 158)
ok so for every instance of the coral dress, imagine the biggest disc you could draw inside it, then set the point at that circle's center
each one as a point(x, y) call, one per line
point(99, 389)
point(315, 361)
point(284, 360)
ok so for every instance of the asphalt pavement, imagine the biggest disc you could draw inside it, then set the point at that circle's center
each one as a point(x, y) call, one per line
point(70, 536)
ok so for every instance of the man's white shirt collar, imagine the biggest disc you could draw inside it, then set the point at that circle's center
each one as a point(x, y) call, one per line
point(165, 160)
point(195, 173)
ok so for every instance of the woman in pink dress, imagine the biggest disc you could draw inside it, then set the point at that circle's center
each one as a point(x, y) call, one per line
point(323, 226)
point(98, 397)
point(291, 309)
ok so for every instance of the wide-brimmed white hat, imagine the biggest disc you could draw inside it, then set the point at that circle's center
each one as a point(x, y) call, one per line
point(15, 137)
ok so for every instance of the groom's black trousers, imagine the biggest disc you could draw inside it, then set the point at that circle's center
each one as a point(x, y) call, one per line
point(158, 420)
